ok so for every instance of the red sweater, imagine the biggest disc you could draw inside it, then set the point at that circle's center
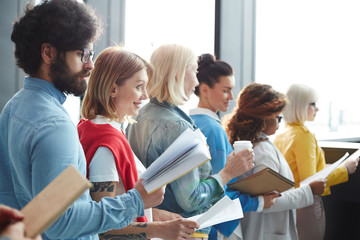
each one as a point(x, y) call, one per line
point(92, 136)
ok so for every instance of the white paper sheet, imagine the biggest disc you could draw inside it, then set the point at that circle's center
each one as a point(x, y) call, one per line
point(323, 174)
point(224, 210)
point(187, 152)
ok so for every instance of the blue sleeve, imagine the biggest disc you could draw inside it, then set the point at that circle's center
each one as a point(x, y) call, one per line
point(55, 146)
point(248, 203)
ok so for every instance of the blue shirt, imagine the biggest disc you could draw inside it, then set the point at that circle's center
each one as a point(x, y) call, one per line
point(158, 125)
point(37, 142)
point(216, 138)
point(220, 148)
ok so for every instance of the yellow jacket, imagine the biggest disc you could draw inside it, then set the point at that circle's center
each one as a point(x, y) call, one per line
point(305, 157)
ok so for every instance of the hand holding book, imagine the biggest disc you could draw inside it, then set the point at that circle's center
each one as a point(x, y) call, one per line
point(46, 207)
point(152, 199)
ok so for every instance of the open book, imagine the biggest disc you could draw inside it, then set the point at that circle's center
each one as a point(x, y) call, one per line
point(264, 181)
point(223, 211)
point(323, 174)
point(187, 152)
point(46, 207)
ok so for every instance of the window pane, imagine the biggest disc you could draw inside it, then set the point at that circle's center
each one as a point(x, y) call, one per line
point(150, 24)
point(315, 42)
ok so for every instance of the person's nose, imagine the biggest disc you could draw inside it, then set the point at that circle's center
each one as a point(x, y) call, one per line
point(144, 96)
point(231, 95)
point(89, 65)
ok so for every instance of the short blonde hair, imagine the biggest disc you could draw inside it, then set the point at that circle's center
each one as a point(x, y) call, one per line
point(167, 83)
point(113, 65)
point(299, 96)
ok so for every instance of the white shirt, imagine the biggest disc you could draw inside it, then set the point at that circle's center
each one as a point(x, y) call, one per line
point(102, 167)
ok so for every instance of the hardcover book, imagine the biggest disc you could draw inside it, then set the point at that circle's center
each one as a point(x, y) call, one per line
point(262, 182)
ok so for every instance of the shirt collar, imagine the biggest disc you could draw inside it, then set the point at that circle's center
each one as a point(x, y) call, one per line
point(204, 111)
point(99, 119)
point(45, 86)
point(262, 134)
point(296, 123)
point(175, 109)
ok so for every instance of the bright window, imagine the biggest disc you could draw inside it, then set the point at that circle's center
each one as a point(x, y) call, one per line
point(150, 24)
point(315, 42)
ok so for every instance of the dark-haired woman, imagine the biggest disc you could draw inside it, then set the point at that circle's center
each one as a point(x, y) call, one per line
point(256, 117)
point(216, 81)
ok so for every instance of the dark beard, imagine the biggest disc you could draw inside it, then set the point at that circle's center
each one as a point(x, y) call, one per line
point(65, 81)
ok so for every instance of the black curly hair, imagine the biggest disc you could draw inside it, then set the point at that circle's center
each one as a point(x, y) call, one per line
point(65, 24)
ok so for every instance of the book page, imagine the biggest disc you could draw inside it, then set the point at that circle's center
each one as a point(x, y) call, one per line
point(323, 174)
point(187, 152)
point(196, 157)
point(223, 211)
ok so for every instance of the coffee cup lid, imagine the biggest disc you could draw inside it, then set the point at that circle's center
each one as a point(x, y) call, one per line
point(243, 142)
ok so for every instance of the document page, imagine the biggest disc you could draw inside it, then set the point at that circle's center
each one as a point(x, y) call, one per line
point(323, 174)
point(223, 211)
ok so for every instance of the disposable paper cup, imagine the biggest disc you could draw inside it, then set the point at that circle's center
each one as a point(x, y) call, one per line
point(241, 145)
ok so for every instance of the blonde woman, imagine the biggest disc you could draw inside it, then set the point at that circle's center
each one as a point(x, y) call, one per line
point(161, 121)
point(305, 157)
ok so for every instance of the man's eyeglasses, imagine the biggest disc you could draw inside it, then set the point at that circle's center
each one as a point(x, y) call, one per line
point(278, 118)
point(86, 55)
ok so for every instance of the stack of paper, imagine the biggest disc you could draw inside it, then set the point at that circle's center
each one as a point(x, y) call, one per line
point(187, 152)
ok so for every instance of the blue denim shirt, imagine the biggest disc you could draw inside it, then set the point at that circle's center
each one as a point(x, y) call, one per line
point(157, 126)
point(37, 142)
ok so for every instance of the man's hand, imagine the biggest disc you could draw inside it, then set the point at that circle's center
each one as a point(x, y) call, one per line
point(11, 225)
point(163, 215)
point(177, 229)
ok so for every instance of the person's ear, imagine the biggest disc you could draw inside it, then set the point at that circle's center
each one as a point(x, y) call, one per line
point(48, 53)
point(113, 90)
point(204, 89)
